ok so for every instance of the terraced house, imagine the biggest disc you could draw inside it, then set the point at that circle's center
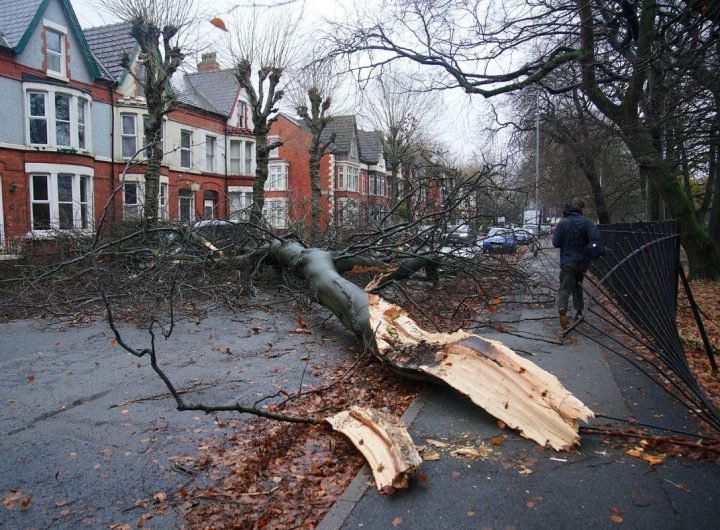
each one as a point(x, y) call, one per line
point(71, 129)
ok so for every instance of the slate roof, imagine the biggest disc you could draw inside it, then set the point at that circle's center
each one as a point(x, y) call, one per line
point(344, 129)
point(370, 145)
point(108, 44)
point(219, 88)
point(15, 18)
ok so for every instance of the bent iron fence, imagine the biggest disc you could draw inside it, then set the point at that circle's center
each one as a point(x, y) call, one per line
point(634, 290)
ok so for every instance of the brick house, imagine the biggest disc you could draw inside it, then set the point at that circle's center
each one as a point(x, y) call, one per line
point(72, 119)
point(355, 183)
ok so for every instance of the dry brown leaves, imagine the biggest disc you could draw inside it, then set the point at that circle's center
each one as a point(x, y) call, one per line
point(272, 475)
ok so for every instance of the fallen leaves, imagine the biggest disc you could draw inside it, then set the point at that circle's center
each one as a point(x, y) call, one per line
point(639, 453)
point(17, 500)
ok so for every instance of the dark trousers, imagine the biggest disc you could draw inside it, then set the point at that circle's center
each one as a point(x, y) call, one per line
point(571, 277)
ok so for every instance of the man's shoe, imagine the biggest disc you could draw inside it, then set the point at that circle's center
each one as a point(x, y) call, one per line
point(564, 320)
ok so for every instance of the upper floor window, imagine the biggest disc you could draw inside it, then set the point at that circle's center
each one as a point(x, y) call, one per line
point(185, 149)
point(57, 117)
point(274, 152)
point(353, 150)
point(347, 178)
point(278, 177)
point(209, 153)
point(242, 115)
point(55, 52)
point(241, 157)
point(128, 134)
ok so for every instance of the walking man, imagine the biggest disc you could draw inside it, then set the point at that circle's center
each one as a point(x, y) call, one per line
point(572, 234)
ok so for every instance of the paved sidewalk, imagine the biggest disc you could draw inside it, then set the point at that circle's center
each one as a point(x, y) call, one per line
point(520, 485)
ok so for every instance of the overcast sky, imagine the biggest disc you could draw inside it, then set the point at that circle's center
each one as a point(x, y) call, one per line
point(456, 122)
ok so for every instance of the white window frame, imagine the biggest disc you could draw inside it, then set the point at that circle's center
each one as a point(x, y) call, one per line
point(242, 118)
point(275, 212)
point(191, 199)
point(348, 177)
point(210, 152)
point(130, 134)
point(49, 93)
point(348, 212)
point(62, 31)
point(273, 153)
point(52, 172)
point(377, 185)
point(277, 177)
point(186, 149)
point(163, 195)
point(240, 199)
point(163, 199)
point(235, 159)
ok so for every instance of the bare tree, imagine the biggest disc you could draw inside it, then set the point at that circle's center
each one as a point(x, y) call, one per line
point(158, 27)
point(262, 42)
point(314, 88)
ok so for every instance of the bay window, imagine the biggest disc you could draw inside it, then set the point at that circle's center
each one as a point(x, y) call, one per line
point(240, 202)
point(275, 212)
point(241, 157)
point(277, 178)
point(60, 197)
point(347, 178)
point(133, 193)
point(57, 116)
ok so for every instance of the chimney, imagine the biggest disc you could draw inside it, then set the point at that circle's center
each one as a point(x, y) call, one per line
point(209, 63)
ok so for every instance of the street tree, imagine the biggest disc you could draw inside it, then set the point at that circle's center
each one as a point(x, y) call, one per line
point(159, 27)
point(263, 45)
point(623, 54)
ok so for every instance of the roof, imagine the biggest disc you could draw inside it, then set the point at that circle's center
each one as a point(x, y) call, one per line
point(344, 129)
point(18, 20)
point(15, 19)
point(220, 88)
point(109, 44)
point(370, 145)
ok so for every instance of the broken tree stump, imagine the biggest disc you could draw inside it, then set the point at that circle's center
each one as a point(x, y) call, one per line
point(384, 442)
point(514, 390)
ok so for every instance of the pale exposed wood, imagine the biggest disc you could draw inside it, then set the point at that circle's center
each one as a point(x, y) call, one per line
point(511, 388)
point(384, 442)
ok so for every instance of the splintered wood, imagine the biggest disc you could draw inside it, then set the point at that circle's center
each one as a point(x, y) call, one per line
point(511, 388)
point(383, 441)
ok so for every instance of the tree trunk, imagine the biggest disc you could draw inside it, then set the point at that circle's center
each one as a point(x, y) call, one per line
point(261, 175)
point(316, 192)
point(511, 388)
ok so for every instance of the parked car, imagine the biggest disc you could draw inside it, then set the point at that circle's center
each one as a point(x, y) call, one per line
point(212, 238)
point(524, 237)
point(460, 235)
point(500, 240)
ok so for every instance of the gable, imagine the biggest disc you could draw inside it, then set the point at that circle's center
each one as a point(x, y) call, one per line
point(22, 25)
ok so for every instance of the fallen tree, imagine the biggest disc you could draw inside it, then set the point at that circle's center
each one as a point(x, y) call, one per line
point(509, 387)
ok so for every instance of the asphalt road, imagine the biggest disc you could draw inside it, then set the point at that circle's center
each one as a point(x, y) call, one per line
point(87, 429)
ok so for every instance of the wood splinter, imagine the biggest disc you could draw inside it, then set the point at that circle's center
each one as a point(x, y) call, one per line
point(384, 442)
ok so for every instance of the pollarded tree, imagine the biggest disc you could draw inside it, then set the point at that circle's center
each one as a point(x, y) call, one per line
point(262, 44)
point(157, 26)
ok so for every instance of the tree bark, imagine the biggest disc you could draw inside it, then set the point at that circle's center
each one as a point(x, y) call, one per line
point(509, 387)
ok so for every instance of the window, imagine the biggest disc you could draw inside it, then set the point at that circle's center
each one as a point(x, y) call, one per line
point(57, 116)
point(240, 199)
point(275, 212)
point(242, 115)
point(348, 213)
point(347, 178)
point(186, 205)
point(132, 201)
point(163, 200)
point(377, 185)
point(55, 52)
point(278, 178)
point(275, 152)
point(210, 199)
point(249, 148)
point(353, 150)
point(128, 135)
point(210, 153)
point(185, 149)
point(38, 118)
point(60, 197)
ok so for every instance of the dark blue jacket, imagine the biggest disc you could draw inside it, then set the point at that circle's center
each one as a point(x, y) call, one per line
point(572, 234)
